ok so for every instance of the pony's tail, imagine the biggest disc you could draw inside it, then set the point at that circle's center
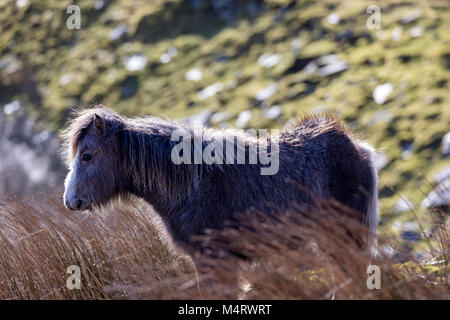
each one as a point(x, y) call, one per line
point(372, 207)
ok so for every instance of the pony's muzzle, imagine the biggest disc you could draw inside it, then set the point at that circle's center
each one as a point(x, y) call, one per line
point(76, 204)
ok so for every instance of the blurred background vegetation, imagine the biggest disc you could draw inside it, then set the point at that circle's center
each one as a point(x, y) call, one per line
point(259, 64)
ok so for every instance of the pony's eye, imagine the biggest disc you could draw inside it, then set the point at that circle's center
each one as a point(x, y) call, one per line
point(86, 157)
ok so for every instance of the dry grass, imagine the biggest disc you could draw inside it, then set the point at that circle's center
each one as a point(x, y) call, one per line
point(301, 258)
point(40, 240)
point(121, 256)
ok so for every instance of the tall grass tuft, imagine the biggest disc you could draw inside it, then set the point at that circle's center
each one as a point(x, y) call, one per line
point(123, 253)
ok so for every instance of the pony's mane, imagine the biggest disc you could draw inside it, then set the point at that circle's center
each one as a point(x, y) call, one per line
point(145, 145)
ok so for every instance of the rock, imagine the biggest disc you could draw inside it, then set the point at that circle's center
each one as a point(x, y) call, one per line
point(11, 107)
point(167, 56)
point(210, 91)
point(411, 16)
point(431, 99)
point(396, 226)
point(172, 51)
point(333, 18)
point(446, 145)
point(411, 226)
point(331, 64)
point(328, 59)
point(300, 64)
point(267, 92)
point(136, 62)
point(439, 197)
point(396, 34)
point(403, 204)
point(380, 34)
point(127, 46)
point(65, 79)
point(416, 31)
point(220, 117)
point(98, 4)
point(296, 45)
point(11, 64)
point(310, 68)
point(442, 175)
point(232, 84)
point(118, 32)
point(272, 113)
point(194, 74)
point(269, 60)
point(382, 92)
point(21, 3)
point(391, 253)
point(408, 151)
point(411, 231)
point(333, 68)
point(243, 118)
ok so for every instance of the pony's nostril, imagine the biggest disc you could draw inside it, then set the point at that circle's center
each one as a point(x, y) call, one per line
point(79, 203)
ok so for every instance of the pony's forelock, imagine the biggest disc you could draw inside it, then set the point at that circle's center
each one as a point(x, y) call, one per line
point(79, 122)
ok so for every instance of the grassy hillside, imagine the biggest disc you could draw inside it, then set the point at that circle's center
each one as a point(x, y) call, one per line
point(178, 59)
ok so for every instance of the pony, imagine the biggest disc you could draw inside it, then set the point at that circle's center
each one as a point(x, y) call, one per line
point(111, 156)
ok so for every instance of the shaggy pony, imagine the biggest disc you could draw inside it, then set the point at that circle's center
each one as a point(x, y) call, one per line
point(110, 155)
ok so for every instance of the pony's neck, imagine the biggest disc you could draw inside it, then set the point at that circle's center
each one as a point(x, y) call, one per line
point(150, 171)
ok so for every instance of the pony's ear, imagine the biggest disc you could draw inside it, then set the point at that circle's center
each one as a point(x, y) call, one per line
point(99, 123)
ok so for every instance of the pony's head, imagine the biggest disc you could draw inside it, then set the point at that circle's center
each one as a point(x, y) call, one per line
point(92, 157)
